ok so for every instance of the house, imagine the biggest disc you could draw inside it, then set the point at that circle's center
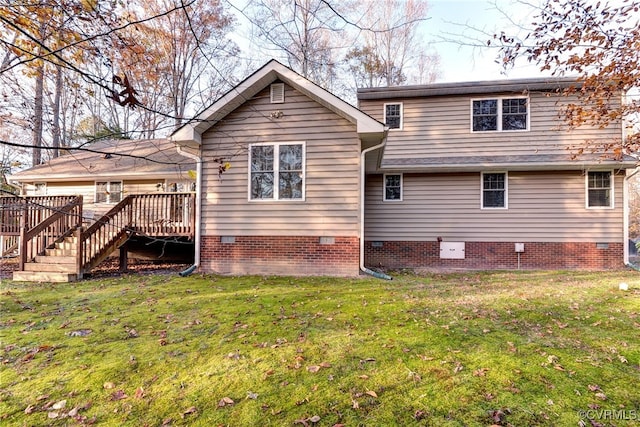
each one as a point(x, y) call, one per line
point(107, 198)
point(290, 179)
point(104, 172)
point(483, 175)
point(475, 175)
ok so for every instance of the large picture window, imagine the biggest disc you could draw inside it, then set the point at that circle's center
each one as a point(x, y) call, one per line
point(506, 114)
point(494, 190)
point(276, 171)
point(108, 191)
point(599, 190)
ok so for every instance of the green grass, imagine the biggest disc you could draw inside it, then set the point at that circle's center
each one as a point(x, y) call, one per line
point(503, 348)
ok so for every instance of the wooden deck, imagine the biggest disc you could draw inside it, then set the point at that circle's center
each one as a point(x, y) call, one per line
point(48, 232)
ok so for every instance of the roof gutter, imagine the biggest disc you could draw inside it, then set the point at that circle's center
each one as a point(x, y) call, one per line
point(198, 230)
point(362, 191)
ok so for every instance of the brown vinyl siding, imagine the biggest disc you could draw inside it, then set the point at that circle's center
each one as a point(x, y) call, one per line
point(441, 127)
point(331, 181)
point(542, 207)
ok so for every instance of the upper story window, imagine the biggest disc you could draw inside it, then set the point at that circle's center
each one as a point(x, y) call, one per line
point(494, 190)
point(392, 187)
point(108, 192)
point(393, 115)
point(276, 171)
point(496, 115)
point(599, 190)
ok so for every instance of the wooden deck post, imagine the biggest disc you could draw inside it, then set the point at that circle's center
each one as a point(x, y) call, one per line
point(124, 257)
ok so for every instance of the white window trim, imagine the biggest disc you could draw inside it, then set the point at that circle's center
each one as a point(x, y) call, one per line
point(384, 188)
point(611, 195)
point(384, 115)
point(506, 191)
point(500, 99)
point(276, 170)
point(95, 191)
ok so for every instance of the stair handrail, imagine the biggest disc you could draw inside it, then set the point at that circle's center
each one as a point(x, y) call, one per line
point(55, 227)
point(97, 239)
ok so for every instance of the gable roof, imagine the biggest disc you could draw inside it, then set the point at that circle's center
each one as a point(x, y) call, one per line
point(191, 133)
point(141, 158)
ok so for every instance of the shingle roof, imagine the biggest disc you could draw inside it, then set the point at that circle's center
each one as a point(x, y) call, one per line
point(113, 158)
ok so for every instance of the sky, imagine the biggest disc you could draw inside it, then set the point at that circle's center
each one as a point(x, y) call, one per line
point(450, 23)
point(455, 23)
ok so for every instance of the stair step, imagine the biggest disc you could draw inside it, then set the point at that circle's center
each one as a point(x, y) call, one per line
point(56, 259)
point(66, 245)
point(32, 276)
point(61, 252)
point(49, 267)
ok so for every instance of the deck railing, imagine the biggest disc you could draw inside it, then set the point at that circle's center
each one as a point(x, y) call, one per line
point(17, 212)
point(62, 222)
point(152, 215)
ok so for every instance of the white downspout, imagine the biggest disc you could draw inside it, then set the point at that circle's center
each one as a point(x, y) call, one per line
point(625, 199)
point(198, 230)
point(362, 191)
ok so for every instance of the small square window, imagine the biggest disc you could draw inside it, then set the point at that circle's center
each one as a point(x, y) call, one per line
point(599, 190)
point(494, 190)
point(392, 187)
point(393, 115)
point(108, 192)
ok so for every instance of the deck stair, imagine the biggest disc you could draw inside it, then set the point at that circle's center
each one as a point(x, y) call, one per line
point(59, 249)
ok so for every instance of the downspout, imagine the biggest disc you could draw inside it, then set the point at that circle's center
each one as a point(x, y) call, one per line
point(362, 191)
point(625, 197)
point(198, 230)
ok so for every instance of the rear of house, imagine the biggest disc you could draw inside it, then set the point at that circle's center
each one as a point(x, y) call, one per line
point(483, 175)
point(280, 189)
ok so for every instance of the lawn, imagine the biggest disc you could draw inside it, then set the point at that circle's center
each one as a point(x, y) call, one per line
point(472, 349)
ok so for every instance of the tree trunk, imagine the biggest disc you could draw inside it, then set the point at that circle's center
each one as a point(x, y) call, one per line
point(55, 144)
point(37, 113)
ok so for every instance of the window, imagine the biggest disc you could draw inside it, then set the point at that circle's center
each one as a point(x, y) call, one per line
point(496, 115)
point(181, 186)
point(108, 192)
point(40, 189)
point(599, 190)
point(276, 171)
point(494, 190)
point(393, 115)
point(392, 187)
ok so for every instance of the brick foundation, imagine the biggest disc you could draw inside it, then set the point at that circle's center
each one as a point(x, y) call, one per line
point(496, 255)
point(289, 255)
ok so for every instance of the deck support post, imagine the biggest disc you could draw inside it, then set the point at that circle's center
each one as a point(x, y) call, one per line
point(124, 257)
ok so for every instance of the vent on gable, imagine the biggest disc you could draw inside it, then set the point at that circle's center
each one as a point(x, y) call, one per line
point(277, 93)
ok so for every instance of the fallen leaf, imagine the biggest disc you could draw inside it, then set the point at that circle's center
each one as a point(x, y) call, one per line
point(118, 395)
point(480, 372)
point(601, 396)
point(252, 395)
point(29, 409)
point(364, 377)
point(355, 404)
point(189, 411)
point(108, 385)
point(225, 401)
point(313, 368)
point(371, 393)
point(314, 419)
point(59, 405)
point(139, 393)
point(325, 365)
point(52, 415)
